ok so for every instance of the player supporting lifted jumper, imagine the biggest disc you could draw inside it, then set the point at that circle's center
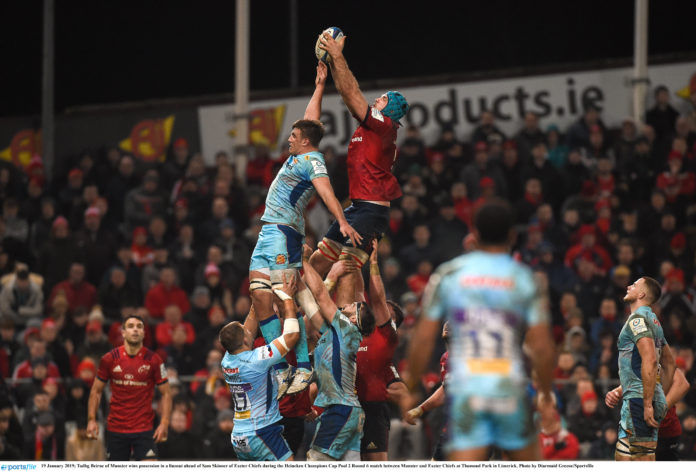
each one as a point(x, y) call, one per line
point(642, 346)
point(371, 155)
point(257, 434)
point(340, 425)
point(279, 246)
point(134, 371)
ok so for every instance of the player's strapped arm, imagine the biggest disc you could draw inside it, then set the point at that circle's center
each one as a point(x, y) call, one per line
point(313, 110)
point(291, 326)
point(162, 430)
point(541, 348)
point(436, 399)
point(345, 81)
point(668, 365)
point(327, 308)
point(378, 295)
point(95, 395)
point(251, 323)
point(326, 193)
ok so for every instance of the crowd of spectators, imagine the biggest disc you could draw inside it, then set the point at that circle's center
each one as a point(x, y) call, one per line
point(596, 208)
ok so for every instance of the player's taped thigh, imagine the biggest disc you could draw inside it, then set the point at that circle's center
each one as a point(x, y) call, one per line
point(277, 276)
point(261, 285)
point(330, 249)
point(307, 302)
point(351, 455)
point(314, 455)
point(633, 450)
point(359, 256)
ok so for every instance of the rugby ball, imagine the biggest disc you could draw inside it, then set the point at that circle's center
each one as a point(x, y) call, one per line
point(321, 54)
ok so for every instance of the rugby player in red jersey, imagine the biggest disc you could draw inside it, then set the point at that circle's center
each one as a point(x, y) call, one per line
point(670, 428)
point(371, 155)
point(134, 371)
point(377, 377)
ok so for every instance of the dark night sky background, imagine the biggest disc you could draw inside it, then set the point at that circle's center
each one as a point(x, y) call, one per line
point(109, 52)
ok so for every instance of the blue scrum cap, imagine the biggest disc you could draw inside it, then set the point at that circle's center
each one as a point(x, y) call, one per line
point(397, 107)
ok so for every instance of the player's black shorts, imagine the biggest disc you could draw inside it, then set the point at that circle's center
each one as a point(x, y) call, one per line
point(376, 429)
point(667, 449)
point(293, 432)
point(124, 446)
point(369, 219)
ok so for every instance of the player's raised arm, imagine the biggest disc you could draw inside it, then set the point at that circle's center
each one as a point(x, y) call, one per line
point(325, 191)
point(327, 308)
point(313, 110)
point(291, 326)
point(345, 81)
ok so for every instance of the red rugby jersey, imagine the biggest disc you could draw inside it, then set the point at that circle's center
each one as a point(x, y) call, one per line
point(374, 361)
point(670, 425)
point(133, 381)
point(371, 155)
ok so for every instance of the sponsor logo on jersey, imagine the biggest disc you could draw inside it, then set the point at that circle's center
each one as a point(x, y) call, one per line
point(117, 369)
point(356, 139)
point(318, 167)
point(280, 259)
point(143, 368)
point(638, 326)
point(128, 376)
point(362, 349)
point(266, 353)
point(231, 371)
point(487, 282)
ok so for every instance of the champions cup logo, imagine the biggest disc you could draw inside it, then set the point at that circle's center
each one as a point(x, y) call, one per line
point(25, 144)
point(149, 139)
point(265, 126)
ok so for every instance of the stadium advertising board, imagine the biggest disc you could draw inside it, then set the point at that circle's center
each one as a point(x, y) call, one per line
point(558, 99)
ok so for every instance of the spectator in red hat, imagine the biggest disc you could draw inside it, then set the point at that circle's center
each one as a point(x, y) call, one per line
point(482, 167)
point(526, 207)
point(96, 344)
point(57, 254)
point(588, 248)
point(586, 425)
point(141, 252)
point(164, 293)
point(78, 291)
point(488, 190)
point(97, 245)
point(578, 134)
point(528, 135)
point(88, 198)
point(678, 185)
point(463, 206)
point(557, 443)
point(175, 167)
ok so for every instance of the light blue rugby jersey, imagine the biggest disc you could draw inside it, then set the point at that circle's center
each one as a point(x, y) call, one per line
point(335, 362)
point(489, 301)
point(253, 387)
point(641, 323)
point(292, 189)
